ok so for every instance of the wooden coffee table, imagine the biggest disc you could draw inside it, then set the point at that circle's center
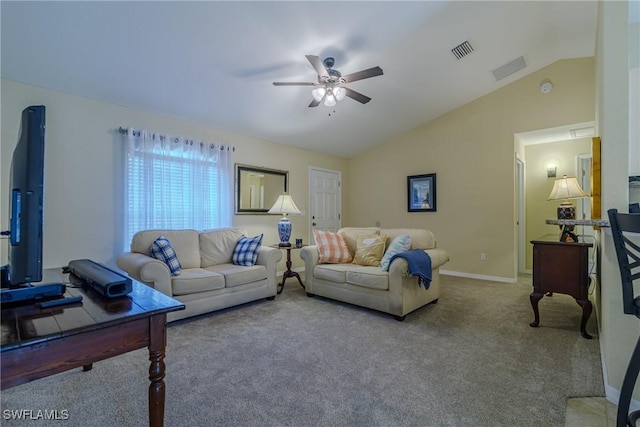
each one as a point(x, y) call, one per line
point(39, 342)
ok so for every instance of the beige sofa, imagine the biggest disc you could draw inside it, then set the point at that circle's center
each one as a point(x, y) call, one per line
point(209, 280)
point(392, 292)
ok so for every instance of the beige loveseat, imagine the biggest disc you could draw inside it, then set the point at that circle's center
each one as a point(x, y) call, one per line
point(392, 292)
point(209, 280)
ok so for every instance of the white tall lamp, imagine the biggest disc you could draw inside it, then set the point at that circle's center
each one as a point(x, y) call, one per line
point(566, 188)
point(284, 205)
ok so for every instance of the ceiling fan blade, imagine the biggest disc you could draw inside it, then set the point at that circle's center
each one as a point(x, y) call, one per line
point(357, 96)
point(364, 74)
point(317, 64)
point(294, 83)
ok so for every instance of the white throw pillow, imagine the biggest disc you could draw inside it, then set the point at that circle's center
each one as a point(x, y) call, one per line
point(400, 244)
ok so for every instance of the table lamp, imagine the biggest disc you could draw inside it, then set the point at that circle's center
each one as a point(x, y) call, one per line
point(284, 205)
point(566, 188)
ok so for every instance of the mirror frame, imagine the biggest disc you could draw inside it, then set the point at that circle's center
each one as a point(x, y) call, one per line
point(238, 184)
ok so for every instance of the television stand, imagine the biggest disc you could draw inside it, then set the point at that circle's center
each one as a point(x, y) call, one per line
point(31, 293)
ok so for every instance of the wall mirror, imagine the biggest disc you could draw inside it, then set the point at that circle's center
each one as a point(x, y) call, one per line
point(258, 188)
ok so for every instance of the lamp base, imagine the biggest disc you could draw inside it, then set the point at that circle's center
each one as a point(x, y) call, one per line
point(566, 211)
point(284, 231)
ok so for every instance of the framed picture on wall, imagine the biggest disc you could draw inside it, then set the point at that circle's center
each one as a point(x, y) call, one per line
point(421, 193)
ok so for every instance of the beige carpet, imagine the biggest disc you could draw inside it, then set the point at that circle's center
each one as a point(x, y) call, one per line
point(470, 360)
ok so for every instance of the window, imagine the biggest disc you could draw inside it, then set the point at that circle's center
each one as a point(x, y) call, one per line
point(174, 183)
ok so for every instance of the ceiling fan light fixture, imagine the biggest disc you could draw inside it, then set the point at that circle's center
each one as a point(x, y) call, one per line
point(318, 93)
point(330, 100)
point(339, 93)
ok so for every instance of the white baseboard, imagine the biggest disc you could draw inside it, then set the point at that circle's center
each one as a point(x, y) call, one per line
point(478, 276)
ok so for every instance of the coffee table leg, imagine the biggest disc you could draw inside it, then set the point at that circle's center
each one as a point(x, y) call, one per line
point(157, 343)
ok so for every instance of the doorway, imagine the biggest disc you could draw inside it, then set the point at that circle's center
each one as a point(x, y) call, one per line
point(325, 200)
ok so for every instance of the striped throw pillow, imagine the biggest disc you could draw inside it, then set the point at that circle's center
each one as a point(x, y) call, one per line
point(332, 247)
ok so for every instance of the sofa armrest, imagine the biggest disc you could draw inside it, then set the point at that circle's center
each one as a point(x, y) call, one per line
point(269, 257)
point(400, 267)
point(311, 257)
point(143, 268)
point(438, 256)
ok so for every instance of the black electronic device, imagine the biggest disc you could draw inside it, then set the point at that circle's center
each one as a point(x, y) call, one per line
point(32, 293)
point(102, 279)
point(59, 302)
point(26, 201)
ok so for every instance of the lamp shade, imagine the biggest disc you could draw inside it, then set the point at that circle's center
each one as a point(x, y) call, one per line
point(284, 205)
point(566, 188)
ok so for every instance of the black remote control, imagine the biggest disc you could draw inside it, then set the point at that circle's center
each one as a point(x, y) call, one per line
point(58, 302)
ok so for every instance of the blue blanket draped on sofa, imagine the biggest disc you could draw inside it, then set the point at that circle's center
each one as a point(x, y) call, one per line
point(419, 265)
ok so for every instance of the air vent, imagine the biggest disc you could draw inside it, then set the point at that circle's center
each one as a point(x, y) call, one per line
point(462, 50)
point(510, 68)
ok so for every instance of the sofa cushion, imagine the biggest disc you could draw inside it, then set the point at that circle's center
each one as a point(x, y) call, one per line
point(217, 246)
point(235, 275)
point(332, 247)
point(162, 249)
point(358, 275)
point(246, 250)
point(401, 243)
point(332, 272)
point(368, 277)
point(195, 280)
point(184, 242)
point(369, 249)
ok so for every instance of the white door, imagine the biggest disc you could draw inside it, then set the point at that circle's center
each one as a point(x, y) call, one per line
point(325, 200)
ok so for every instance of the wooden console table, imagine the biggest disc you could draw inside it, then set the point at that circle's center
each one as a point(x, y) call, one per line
point(38, 342)
point(561, 267)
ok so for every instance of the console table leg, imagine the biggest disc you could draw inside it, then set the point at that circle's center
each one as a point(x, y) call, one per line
point(587, 307)
point(535, 298)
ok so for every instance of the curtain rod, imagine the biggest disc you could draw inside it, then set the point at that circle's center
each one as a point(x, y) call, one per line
point(136, 132)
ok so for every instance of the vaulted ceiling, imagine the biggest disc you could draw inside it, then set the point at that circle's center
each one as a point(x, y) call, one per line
point(214, 62)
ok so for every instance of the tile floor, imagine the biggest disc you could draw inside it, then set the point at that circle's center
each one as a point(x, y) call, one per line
point(590, 412)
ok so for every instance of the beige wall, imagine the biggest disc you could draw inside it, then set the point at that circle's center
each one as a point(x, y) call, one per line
point(471, 149)
point(83, 201)
point(618, 332)
point(538, 187)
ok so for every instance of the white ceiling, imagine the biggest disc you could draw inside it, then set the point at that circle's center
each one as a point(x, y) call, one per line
point(214, 62)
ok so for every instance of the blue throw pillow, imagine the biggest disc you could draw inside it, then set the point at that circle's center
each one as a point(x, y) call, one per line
point(162, 249)
point(401, 243)
point(246, 250)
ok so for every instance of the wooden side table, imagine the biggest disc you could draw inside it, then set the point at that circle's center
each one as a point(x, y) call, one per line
point(564, 268)
point(289, 272)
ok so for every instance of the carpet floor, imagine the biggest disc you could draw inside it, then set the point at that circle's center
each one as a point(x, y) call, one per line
point(470, 360)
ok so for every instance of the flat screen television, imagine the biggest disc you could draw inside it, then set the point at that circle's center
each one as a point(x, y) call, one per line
point(26, 205)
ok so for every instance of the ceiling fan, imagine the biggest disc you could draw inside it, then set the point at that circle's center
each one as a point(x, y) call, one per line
point(330, 85)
